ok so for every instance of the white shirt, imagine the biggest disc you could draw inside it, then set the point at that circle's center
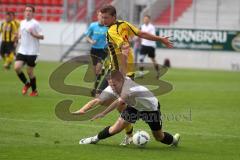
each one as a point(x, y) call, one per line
point(149, 29)
point(29, 45)
point(133, 94)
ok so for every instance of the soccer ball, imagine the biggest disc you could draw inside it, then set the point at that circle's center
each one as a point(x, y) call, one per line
point(141, 138)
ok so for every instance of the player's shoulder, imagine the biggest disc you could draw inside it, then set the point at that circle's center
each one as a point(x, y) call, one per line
point(36, 22)
point(23, 21)
point(151, 25)
point(93, 24)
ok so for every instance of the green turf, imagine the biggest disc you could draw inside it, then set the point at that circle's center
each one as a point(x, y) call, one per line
point(210, 132)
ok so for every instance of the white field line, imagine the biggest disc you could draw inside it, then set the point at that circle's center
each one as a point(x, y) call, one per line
point(101, 126)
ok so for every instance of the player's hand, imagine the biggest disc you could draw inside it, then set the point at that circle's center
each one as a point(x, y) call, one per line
point(167, 42)
point(100, 115)
point(93, 42)
point(125, 48)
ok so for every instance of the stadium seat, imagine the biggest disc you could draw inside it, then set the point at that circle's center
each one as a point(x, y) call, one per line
point(20, 16)
point(39, 9)
point(39, 2)
point(5, 1)
point(57, 2)
point(39, 17)
point(20, 8)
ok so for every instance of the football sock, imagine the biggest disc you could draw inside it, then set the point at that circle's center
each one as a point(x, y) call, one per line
point(33, 83)
point(129, 130)
point(98, 77)
point(168, 138)
point(157, 67)
point(23, 78)
point(103, 85)
point(104, 133)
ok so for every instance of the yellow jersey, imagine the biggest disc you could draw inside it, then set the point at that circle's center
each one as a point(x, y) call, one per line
point(8, 30)
point(17, 23)
point(118, 34)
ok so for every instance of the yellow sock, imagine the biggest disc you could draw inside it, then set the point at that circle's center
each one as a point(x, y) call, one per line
point(129, 130)
point(9, 58)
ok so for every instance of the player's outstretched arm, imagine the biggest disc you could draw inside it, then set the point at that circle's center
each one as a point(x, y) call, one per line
point(148, 36)
point(88, 106)
point(110, 108)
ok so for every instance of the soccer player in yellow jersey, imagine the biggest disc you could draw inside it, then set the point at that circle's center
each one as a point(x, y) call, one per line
point(8, 32)
point(17, 24)
point(119, 35)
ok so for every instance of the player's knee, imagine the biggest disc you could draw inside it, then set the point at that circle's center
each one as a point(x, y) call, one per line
point(158, 136)
point(114, 130)
point(17, 68)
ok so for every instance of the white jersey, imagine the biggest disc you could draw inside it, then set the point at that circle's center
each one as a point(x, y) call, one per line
point(149, 29)
point(133, 94)
point(29, 45)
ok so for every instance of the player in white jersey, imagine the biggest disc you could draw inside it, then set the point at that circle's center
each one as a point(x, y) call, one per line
point(141, 104)
point(147, 46)
point(30, 33)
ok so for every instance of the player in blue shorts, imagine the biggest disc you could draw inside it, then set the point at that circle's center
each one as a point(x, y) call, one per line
point(96, 35)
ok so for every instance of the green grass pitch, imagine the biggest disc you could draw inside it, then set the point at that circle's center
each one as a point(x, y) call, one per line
point(204, 108)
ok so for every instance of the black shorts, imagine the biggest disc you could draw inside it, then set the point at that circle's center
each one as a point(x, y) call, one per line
point(98, 55)
point(152, 118)
point(147, 50)
point(30, 60)
point(7, 48)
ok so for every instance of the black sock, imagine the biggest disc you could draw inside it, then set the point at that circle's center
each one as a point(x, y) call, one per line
point(33, 83)
point(168, 138)
point(104, 133)
point(157, 67)
point(103, 85)
point(141, 68)
point(23, 78)
point(98, 77)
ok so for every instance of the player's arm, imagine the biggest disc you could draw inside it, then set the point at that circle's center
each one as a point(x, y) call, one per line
point(109, 109)
point(125, 49)
point(152, 37)
point(88, 106)
point(88, 34)
point(37, 33)
point(90, 40)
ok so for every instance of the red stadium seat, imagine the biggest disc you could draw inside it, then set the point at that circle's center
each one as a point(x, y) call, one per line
point(39, 9)
point(20, 16)
point(39, 2)
point(57, 2)
point(22, 1)
point(12, 9)
point(47, 2)
point(5, 1)
point(20, 8)
point(39, 17)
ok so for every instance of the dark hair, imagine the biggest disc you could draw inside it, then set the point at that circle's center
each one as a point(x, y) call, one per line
point(8, 13)
point(115, 75)
point(109, 9)
point(11, 13)
point(31, 6)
